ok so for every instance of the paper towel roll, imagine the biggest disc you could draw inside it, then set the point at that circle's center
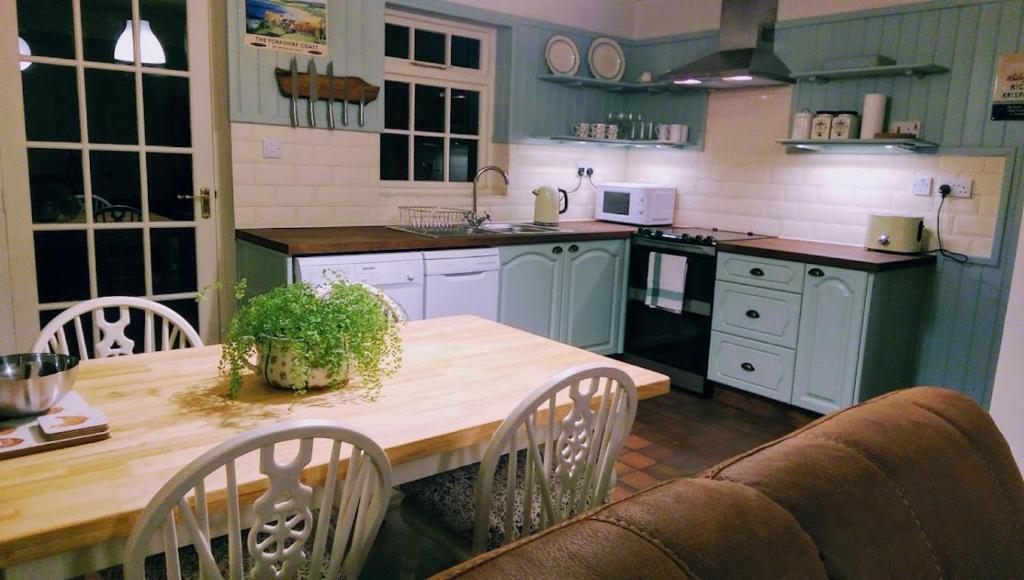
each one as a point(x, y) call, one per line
point(874, 115)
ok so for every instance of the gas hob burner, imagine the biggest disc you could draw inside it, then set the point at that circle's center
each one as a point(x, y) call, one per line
point(696, 236)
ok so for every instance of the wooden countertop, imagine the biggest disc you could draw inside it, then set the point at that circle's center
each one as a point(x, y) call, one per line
point(460, 378)
point(356, 239)
point(836, 255)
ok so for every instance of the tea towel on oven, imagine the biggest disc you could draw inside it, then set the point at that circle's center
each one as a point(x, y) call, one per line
point(666, 278)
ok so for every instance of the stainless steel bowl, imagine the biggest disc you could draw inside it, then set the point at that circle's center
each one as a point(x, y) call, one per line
point(32, 383)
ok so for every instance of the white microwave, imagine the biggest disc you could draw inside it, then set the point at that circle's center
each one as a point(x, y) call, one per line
point(639, 204)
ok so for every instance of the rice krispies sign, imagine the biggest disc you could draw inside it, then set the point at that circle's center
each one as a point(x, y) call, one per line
point(1008, 94)
point(296, 26)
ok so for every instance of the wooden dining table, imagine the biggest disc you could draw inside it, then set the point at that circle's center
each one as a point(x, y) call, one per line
point(68, 511)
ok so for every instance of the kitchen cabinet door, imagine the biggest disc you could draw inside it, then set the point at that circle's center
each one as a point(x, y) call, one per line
point(828, 348)
point(531, 287)
point(593, 287)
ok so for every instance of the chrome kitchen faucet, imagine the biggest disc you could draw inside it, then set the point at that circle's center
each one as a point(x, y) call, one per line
point(474, 218)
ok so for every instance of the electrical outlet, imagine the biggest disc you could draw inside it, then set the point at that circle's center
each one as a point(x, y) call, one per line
point(922, 186)
point(272, 149)
point(583, 167)
point(961, 187)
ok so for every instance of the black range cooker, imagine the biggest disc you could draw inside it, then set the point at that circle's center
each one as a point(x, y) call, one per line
point(667, 342)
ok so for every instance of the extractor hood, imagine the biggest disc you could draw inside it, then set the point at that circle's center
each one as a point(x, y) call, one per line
point(745, 56)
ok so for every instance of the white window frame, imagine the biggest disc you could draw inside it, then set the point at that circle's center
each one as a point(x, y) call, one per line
point(412, 72)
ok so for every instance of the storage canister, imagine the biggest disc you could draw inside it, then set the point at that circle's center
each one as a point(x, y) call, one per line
point(845, 125)
point(821, 126)
point(801, 125)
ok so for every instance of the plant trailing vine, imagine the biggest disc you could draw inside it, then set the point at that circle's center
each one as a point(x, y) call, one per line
point(341, 328)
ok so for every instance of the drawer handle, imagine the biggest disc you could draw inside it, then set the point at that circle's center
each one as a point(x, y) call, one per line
point(747, 367)
point(753, 314)
point(556, 250)
point(756, 272)
point(816, 272)
point(574, 248)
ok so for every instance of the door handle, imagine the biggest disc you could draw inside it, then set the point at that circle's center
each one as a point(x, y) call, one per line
point(556, 250)
point(756, 272)
point(816, 272)
point(747, 367)
point(753, 314)
point(204, 201)
point(574, 248)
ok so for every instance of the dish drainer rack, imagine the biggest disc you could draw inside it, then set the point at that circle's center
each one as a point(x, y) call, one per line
point(433, 218)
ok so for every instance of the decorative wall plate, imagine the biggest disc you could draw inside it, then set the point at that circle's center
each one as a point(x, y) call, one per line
point(606, 59)
point(562, 55)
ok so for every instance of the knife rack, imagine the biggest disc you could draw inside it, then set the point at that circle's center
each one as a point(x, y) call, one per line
point(346, 89)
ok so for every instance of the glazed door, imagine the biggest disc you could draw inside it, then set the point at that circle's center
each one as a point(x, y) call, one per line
point(107, 156)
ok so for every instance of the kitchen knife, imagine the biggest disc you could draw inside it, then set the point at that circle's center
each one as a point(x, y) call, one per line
point(314, 91)
point(295, 93)
point(344, 101)
point(362, 105)
point(330, 96)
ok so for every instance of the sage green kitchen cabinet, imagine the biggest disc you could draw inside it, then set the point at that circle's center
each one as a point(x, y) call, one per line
point(828, 348)
point(531, 288)
point(573, 292)
point(856, 338)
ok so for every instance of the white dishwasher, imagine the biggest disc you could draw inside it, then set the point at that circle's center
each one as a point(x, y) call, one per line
point(462, 282)
point(399, 275)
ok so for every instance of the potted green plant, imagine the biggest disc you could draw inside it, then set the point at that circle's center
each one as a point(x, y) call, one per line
point(306, 338)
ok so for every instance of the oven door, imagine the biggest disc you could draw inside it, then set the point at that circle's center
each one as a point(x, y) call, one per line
point(674, 344)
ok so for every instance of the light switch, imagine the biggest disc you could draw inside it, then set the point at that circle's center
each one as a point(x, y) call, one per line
point(922, 186)
point(272, 149)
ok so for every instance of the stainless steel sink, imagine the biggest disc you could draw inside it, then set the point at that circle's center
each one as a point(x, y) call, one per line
point(491, 229)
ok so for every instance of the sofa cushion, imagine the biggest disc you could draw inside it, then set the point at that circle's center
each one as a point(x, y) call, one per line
point(917, 483)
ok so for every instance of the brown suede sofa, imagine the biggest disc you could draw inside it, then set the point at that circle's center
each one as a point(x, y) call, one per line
point(915, 484)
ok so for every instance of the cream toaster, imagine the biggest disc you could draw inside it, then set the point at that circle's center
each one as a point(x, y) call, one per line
point(895, 233)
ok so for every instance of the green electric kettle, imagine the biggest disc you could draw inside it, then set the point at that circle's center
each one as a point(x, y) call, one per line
point(547, 207)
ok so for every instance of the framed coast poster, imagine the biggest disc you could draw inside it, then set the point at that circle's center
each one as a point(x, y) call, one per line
point(296, 26)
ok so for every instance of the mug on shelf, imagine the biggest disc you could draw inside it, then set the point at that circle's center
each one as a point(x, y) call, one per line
point(678, 133)
point(598, 131)
point(581, 129)
point(612, 132)
point(664, 132)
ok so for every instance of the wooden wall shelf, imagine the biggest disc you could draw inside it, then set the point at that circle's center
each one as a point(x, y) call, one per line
point(892, 70)
point(611, 86)
point(863, 146)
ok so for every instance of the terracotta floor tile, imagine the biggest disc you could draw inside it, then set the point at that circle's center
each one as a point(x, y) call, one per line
point(639, 480)
point(636, 459)
point(659, 452)
point(664, 472)
point(622, 469)
point(622, 491)
point(635, 441)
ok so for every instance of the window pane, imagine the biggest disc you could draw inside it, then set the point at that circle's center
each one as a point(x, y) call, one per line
point(396, 41)
point(396, 105)
point(120, 270)
point(115, 186)
point(429, 153)
point(430, 46)
point(465, 52)
point(465, 116)
point(62, 267)
point(429, 108)
point(462, 159)
point(165, 100)
point(51, 103)
point(103, 24)
point(394, 157)
point(55, 186)
point(47, 27)
point(168, 176)
point(110, 106)
point(168, 24)
point(173, 259)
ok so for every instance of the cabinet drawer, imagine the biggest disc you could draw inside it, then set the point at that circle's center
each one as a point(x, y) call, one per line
point(758, 313)
point(753, 366)
point(763, 272)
